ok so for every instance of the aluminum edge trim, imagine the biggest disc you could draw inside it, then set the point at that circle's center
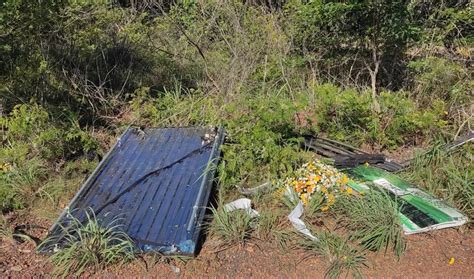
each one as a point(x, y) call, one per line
point(218, 141)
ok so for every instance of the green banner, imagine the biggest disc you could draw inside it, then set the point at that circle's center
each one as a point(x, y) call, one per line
point(420, 211)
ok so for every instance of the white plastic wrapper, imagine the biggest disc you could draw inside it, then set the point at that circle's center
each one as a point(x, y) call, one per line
point(294, 217)
point(244, 204)
point(297, 223)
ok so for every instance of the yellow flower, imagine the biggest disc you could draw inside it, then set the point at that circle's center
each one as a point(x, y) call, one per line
point(331, 198)
point(5, 167)
point(345, 179)
point(280, 192)
point(304, 199)
point(349, 190)
point(451, 261)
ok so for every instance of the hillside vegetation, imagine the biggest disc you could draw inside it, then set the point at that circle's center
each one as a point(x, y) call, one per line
point(386, 75)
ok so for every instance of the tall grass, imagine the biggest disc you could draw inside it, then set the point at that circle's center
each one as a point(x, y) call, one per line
point(89, 244)
point(374, 221)
point(18, 186)
point(447, 176)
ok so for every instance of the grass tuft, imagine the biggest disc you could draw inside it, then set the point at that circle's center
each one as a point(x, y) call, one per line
point(18, 186)
point(233, 227)
point(374, 221)
point(90, 244)
point(267, 224)
point(343, 258)
point(271, 228)
point(6, 231)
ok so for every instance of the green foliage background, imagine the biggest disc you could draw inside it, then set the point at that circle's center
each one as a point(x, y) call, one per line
point(74, 74)
point(390, 76)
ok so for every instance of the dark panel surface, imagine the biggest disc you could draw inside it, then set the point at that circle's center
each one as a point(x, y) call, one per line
point(157, 181)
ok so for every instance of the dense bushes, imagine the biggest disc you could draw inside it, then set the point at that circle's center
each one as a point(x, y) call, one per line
point(388, 74)
point(80, 56)
point(31, 126)
point(91, 58)
point(347, 115)
point(439, 78)
point(269, 76)
point(361, 42)
point(32, 145)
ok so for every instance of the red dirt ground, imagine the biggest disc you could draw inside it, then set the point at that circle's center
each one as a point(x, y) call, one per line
point(427, 256)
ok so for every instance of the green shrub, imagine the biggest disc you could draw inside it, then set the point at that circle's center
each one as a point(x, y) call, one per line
point(24, 121)
point(29, 131)
point(30, 125)
point(403, 121)
point(263, 143)
point(33, 143)
point(346, 115)
point(77, 141)
point(440, 78)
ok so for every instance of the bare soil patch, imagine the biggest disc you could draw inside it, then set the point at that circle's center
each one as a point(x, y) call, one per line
point(428, 256)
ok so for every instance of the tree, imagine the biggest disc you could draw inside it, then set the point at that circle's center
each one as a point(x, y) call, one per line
point(25, 31)
point(368, 36)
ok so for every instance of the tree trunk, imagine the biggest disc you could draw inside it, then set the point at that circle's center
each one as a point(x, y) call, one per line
point(373, 78)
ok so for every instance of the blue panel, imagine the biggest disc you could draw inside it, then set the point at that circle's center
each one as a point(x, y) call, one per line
point(158, 181)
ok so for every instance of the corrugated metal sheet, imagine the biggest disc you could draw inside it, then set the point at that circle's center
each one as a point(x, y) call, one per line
point(158, 181)
point(331, 149)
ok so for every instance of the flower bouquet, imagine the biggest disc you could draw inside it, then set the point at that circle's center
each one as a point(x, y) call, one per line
point(316, 184)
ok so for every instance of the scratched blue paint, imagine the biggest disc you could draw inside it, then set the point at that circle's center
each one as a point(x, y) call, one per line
point(165, 211)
